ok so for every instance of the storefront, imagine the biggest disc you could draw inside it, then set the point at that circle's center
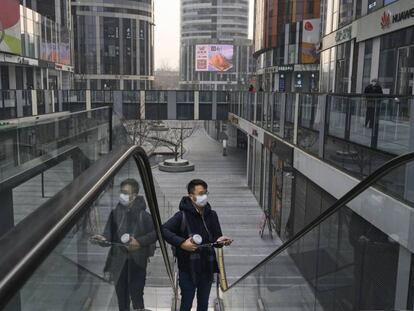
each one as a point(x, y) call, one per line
point(270, 177)
point(378, 45)
point(278, 184)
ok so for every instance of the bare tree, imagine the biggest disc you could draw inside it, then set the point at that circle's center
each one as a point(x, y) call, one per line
point(174, 138)
point(142, 131)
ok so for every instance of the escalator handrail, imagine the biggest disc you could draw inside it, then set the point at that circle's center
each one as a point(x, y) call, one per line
point(345, 199)
point(30, 242)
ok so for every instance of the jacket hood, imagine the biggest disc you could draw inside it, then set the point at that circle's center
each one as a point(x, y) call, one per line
point(186, 204)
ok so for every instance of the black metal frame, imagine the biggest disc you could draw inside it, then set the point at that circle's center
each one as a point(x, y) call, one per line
point(24, 249)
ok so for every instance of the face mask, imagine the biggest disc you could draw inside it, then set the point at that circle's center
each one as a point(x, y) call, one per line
point(124, 199)
point(201, 200)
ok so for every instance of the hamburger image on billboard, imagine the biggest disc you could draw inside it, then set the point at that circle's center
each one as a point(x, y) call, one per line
point(10, 40)
point(218, 57)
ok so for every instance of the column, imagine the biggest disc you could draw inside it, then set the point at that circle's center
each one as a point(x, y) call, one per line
point(196, 105)
point(296, 120)
point(34, 102)
point(142, 105)
point(360, 70)
point(88, 100)
point(12, 77)
point(376, 45)
point(282, 115)
point(322, 105)
point(351, 66)
point(214, 107)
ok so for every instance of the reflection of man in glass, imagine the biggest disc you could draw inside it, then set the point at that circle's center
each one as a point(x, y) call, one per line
point(375, 265)
point(130, 231)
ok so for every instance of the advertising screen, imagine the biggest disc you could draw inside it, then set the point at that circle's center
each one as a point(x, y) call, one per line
point(310, 41)
point(214, 57)
point(64, 47)
point(10, 40)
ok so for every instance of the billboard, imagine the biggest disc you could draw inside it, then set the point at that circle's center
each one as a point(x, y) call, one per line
point(310, 41)
point(10, 39)
point(64, 47)
point(218, 57)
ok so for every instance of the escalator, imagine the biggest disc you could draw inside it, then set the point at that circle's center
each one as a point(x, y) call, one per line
point(340, 260)
point(50, 260)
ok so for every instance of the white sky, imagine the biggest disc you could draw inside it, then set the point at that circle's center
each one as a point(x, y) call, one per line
point(167, 31)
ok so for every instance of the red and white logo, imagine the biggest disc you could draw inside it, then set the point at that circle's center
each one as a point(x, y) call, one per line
point(308, 26)
point(386, 19)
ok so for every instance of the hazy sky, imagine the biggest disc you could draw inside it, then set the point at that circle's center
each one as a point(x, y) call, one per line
point(167, 31)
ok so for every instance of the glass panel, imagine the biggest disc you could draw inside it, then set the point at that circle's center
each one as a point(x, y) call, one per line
point(351, 261)
point(337, 116)
point(276, 110)
point(309, 122)
point(38, 159)
point(109, 260)
point(289, 116)
point(7, 104)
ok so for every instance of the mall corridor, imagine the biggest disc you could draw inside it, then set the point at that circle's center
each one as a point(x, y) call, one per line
point(235, 204)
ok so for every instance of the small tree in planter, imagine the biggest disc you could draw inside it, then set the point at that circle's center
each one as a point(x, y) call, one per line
point(174, 138)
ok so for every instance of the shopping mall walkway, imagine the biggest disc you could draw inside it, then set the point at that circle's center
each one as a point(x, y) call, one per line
point(240, 215)
point(235, 204)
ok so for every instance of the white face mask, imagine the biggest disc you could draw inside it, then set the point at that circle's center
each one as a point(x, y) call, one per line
point(124, 199)
point(201, 200)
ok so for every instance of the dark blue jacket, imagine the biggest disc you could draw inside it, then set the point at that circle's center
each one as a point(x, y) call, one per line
point(137, 222)
point(208, 226)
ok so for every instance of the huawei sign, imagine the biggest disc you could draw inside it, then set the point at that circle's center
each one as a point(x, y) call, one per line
point(386, 19)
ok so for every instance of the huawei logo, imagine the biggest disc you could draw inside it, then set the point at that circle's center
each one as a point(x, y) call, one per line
point(386, 19)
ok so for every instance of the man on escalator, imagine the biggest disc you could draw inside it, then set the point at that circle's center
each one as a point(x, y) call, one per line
point(130, 233)
point(196, 264)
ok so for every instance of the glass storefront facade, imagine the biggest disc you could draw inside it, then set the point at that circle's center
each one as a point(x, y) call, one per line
point(113, 46)
point(44, 60)
point(352, 56)
point(287, 33)
point(336, 251)
point(270, 178)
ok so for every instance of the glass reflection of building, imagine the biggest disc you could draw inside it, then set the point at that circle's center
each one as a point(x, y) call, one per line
point(212, 22)
point(358, 46)
point(113, 44)
point(44, 61)
point(286, 42)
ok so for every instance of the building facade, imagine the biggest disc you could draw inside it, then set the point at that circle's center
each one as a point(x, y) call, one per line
point(114, 44)
point(35, 45)
point(215, 52)
point(286, 43)
point(368, 39)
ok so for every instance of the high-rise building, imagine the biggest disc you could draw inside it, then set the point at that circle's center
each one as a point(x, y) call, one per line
point(366, 40)
point(35, 45)
point(114, 44)
point(286, 43)
point(215, 52)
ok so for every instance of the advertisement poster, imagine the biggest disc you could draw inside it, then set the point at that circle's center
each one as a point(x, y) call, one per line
point(49, 52)
point(214, 57)
point(10, 39)
point(310, 41)
point(64, 48)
